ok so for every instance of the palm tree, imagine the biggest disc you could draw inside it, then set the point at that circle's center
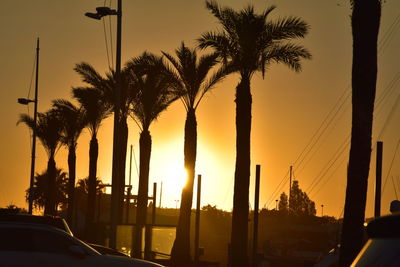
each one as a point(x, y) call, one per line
point(157, 91)
point(193, 74)
point(48, 130)
point(128, 92)
point(249, 43)
point(95, 111)
point(73, 124)
point(365, 22)
point(40, 189)
point(83, 186)
point(107, 87)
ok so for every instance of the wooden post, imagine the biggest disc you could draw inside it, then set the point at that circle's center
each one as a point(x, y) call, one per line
point(197, 225)
point(256, 204)
point(290, 186)
point(379, 152)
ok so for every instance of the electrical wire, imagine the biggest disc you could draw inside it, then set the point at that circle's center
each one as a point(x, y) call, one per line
point(105, 38)
point(111, 38)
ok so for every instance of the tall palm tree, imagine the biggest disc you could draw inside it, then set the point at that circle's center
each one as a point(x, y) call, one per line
point(73, 123)
point(249, 43)
point(194, 77)
point(48, 130)
point(107, 86)
point(365, 22)
point(128, 92)
point(95, 111)
point(157, 91)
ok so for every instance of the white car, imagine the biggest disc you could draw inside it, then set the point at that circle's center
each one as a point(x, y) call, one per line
point(34, 245)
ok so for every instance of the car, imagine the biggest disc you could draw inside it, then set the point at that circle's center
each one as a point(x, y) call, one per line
point(55, 221)
point(383, 246)
point(35, 244)
point(107, 251)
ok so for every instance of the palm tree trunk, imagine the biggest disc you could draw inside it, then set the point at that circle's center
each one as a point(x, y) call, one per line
point(240, 212)
point(71, 182)
point(50, 202)
point(180, 255)
point(91, 206)
point(365, 25)
point(141, 212)
point(123, 131)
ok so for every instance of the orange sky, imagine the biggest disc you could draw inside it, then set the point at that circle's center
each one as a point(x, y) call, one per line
point(288, 108)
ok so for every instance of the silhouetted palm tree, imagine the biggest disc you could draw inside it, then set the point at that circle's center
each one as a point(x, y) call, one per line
point(48, 130)
point(156, 91)
point(72, 119)
point(194, 76)
point(249, 43)
point(128, 92)
point(365, 22)
point(83, 186)
point(40, 189)
point(95, 111)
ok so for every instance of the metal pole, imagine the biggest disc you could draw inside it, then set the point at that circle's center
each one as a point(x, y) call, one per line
point(379, 152)
point(128, 200)
point(116, 155)
point(197, 225)
point(256, 204)
point(33, 156)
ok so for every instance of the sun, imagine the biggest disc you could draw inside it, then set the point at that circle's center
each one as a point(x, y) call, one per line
point(171, 173)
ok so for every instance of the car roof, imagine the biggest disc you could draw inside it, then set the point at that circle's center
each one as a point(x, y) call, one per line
point(54, 221)
point(384, 227)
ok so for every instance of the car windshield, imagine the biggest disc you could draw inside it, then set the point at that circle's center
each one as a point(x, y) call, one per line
point(383, 252)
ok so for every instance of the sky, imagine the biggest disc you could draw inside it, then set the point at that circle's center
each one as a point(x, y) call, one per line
point(300, 119)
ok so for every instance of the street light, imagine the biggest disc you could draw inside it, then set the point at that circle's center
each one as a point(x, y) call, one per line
point(25, 101)
point(101, 12)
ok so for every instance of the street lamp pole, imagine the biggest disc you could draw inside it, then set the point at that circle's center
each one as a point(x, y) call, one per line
point(33, 157)
point(116, 176)
point(25, 101)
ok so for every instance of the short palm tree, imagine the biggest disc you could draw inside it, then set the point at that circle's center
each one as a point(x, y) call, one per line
point(156, 91)
point(249, 43)
point(48, 130)
point(95, 111)
point(40, 189)
point(72, 118)
point(195, 79)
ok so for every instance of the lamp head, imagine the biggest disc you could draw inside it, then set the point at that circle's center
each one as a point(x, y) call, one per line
point(93, 15)
point(105, 11)
point(24, 101)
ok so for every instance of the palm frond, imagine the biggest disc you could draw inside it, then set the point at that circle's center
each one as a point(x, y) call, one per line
point(287, 28)
point(89, 74)
point(288, 54)
point(72, 118)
